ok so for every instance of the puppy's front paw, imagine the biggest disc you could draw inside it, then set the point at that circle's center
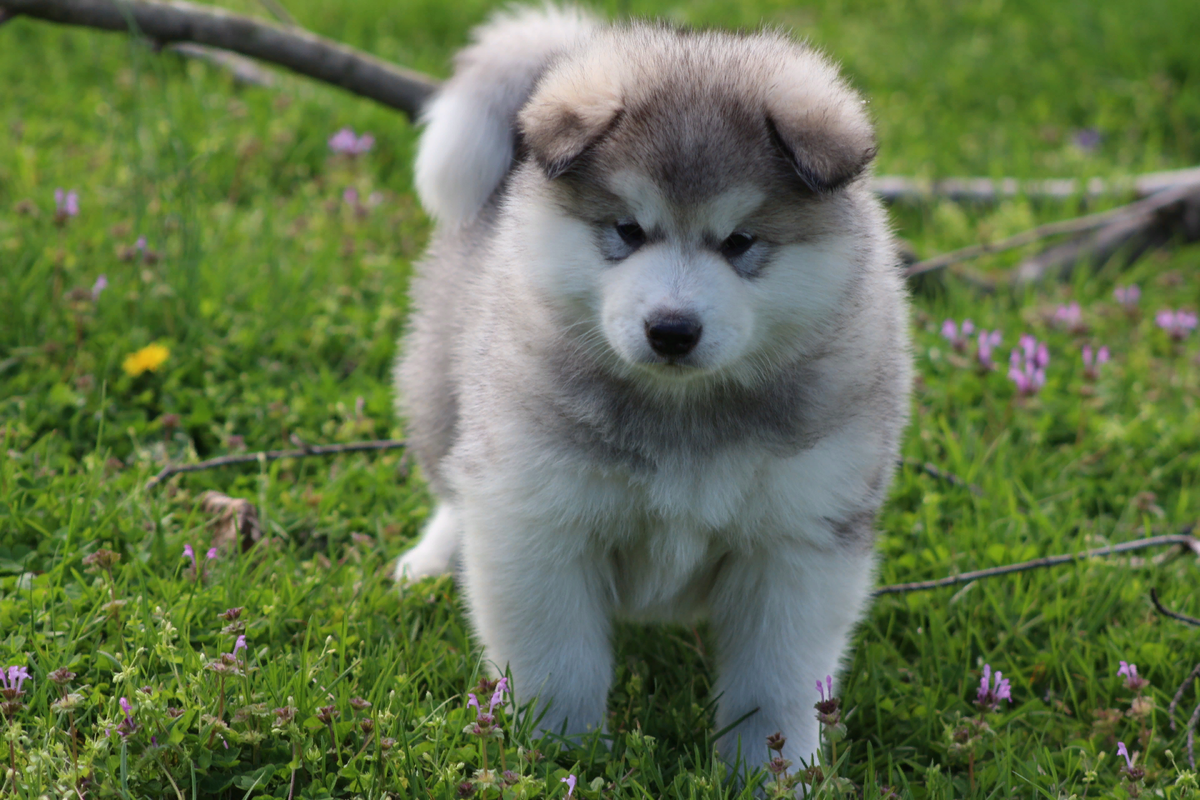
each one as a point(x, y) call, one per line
point(434, 553)
point(420, 563)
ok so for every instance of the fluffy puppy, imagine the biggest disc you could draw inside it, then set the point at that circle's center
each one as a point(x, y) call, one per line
point(658, 364)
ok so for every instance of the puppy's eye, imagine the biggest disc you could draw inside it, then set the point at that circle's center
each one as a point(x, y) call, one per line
point(631, 233)
point(737, 244)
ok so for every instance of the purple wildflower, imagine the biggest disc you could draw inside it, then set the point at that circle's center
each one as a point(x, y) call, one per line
point(350, 196)
point(570, 782)
point(1069, 315)
point(190, 554)
point(1123, 751)
point(1128, 296)
point(1177, 324)
point(1087, 139)
point(992, 691)
point(957, 335)
point(988, 341)
point(140, 244)
point(99, 286)
point(1133, 681)
point(66, 204)
point(829, 707)
point(127, 727)
point(345, 141)
point(498, 695)
point(1027, 365)
point(1093, 362)
point(1132, 773)
point(238, 645)
point(11, 682)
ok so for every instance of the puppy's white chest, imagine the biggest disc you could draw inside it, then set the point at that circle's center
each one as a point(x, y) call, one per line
point(713, 493)
point(666, 574)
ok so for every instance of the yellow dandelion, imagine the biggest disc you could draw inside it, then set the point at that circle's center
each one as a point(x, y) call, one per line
point(150, 357)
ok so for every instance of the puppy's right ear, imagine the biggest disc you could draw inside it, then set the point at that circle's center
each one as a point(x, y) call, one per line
point(568, 113)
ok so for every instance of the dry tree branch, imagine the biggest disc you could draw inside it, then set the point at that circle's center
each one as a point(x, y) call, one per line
point(1143, 211)
point(1184, 540)
point(297, 50)
point(275, 455)
point(1166, 612)
point(895, 188)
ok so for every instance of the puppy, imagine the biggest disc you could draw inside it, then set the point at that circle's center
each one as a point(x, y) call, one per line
point(658, 364)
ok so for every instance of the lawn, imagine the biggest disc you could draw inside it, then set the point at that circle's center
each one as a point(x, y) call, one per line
point(271, 301)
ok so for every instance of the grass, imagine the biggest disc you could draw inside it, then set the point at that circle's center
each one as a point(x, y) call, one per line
point(280, 305)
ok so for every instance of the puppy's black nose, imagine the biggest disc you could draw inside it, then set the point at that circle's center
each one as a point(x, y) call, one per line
point(673, 335)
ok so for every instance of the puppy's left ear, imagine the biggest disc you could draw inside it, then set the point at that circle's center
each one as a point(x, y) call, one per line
point(568, 113)
point(819, 124)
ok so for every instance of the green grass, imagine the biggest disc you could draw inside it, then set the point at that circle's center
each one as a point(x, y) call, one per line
point(280, 307)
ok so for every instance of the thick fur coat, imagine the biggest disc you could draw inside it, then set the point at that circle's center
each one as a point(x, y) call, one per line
point(658, 365)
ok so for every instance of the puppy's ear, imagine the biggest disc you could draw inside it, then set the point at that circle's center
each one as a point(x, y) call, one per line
point(568, 113)
point(819, 124)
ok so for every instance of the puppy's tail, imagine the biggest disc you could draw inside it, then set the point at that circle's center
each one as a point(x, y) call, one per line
point(467, 147)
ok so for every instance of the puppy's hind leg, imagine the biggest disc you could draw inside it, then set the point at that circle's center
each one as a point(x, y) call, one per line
point(435, 550)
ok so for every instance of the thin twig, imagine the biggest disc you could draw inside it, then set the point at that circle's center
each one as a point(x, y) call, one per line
point(280, 13)
point(242, 69)
point(1088, 222)
point(1191, 737)
point(275, 455)
point(1166, 612)
point(293, 48)
point(1181, 539)
point(898, 188)
point(1179, 694)
point(941, 474)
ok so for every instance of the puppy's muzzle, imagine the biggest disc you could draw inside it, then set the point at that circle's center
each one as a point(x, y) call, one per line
point(673, 335)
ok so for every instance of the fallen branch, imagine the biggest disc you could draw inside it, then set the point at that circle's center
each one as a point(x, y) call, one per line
point(1184, 540)
point(894, 188)
point(275, 455)
point(297, 50)
point(1130, 236)
point(1166, 612)
point(1140, 211)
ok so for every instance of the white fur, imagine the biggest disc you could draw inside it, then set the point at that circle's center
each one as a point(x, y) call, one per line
point(434, 551)
point(467, 146)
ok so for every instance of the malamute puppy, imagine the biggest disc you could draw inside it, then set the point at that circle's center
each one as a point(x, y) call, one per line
point(658, 363)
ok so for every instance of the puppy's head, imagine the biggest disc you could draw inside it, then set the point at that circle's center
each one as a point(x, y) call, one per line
point(692, 197)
